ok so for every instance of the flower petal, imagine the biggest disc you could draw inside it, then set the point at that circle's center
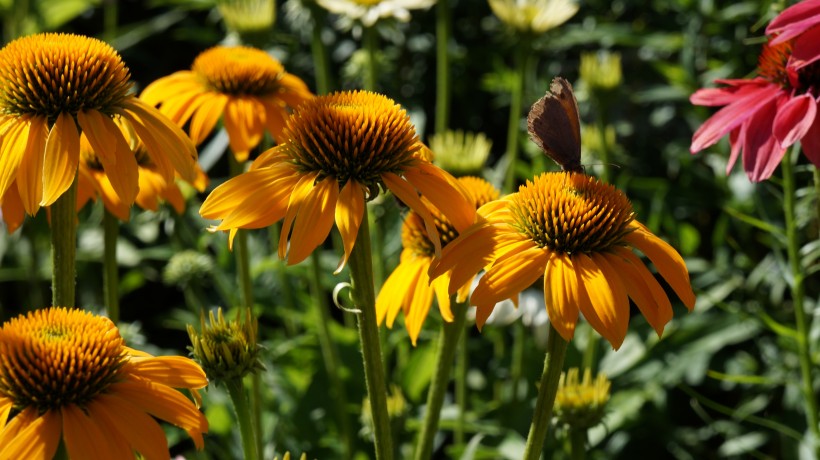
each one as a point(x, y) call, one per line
point(12, 149)
point(395, 289)
point(139, 429)
point(297, 196)
point(244, 121)
point(604, 304)
point(419, 304)
point(115, 154)
point(206, 116)
point(806, 49)
point(314, 220)
point(407, 193)
point(62, 157)
point(83, 439)
point(761, 152)
point(642, 288)
point(349, 213)
point(174, 371)
point(793, 119)
point(30, 172)
point(666, 259)
point(794, 20)
point(441, 189)
point(561, 294)
point(30, 436)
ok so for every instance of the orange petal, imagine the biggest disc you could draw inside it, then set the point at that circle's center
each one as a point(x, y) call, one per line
point(297, 197)
point(561, 294)
point(314, 220)
point(5, 407)
point(62, 156)
point(139, 429)
point(83, 439)
point(440, 286)
point(643, 288)
point(466, 255)
point(206, 116)
point(30, 173)
point(667, 260)
point(443, 191)
point(605, 308)
point(174, 371)
point(244, 122)
point(275, 115)
point(419, 304)
point(31, 437)
point(349, 213)
point(406, 193)
point(115, 154)
point(394, 290)
point(12, 209)
point(12, 149)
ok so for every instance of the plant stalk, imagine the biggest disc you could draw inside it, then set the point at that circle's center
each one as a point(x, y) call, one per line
point(577, 441)
point(370, 38)
point(516, 98)
point(64, 248)
point(243, 415)
point(443, 26)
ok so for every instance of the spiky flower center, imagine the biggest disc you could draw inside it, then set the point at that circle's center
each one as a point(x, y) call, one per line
point(571, 212)
point(351, 135)
point(53, 357)
point(239, 70)
point(413, 233)
point(772, 65)
point(48, 74)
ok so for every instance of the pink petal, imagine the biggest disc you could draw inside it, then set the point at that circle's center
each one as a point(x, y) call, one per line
point(712, 97)
point(794, 20)
point(731, 116)
point(793, 119)
point(806, 49)
point(811, 143)
point(761, 151)
point(736, 141)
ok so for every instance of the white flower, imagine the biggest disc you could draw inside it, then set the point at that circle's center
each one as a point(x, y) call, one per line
point(370, 11)
point(537, 16)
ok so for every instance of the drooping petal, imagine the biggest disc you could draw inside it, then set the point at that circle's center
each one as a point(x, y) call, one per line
point(666, 259)
point(244, 121)
point(30, 173)
point(205, 118)
point(806, 49)
point(811, 143)
point(12, 209)
point(242, 199)
point(297, 196)
point(406, 193)
point(174, 371)
point(314, 220)
point(62, 157)
point(602, 306)
point(395, 288)
point(716, 97)
point(12, 150)
point(31, 436)
point(761, 152)
point(736, 141)
point(793, 119)
point(115, 154)
point(643, 288)
point(274, 117)
point(443, 190)
point(561, 294)
point(139, 429)
point(468, 254)
point(83, 439)
point(440, 287)
point(349, 213)
point(419, 305)
point(794, 20)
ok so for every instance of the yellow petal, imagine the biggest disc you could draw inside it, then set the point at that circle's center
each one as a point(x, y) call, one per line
point(115, 154)
point(440, 287)
point(605, 308)
point(30, 173)
point(667, 260)
point(419, 305)
point(466, 255)
point(165, 87)
point(174, 371)
point(275, 115)
point(643, 288)
point(314, 220)
point(297, 197)
point(394, 290)
point(561, 294)
point(139, 429)
point(206, 116)
point(83, 439)
point(349, 213)
point(443, 191)
point(406, 193)
point(31, 437)
point(62, 156)
point(12, 149)
point(5, 407)
point(244, 122)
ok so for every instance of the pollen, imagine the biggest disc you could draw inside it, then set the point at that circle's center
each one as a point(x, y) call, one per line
point(572, 212)
point(57, 356)
point(239, 70)
point(351, 135)
point(52, 73)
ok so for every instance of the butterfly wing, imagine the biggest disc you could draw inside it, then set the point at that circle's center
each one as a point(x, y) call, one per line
point(555, 126)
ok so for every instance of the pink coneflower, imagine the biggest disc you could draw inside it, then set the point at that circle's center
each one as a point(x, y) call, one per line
point(768, 113)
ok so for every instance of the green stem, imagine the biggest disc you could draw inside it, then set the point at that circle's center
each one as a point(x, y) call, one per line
point(330, 354)
point(110, 13)
point(577, 440)
point(243, 415)
point(517, 365)
point(319, 52)
point(591, 351)
point(361, 280)
point(447, 346)
point(111, 277)
point(442, 66)
point(461, 391)
point(370, 38)
point(64, 247)
point(513, 126)
point(798, 294)
point(553, 363)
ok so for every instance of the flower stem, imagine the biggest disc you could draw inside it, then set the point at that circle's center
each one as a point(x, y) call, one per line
point(361, 280)
point(442, 66)
point(111, 277)
point(447, 346)
point(319, 51)
point(577, 441)
point(553, 363)
point(461, 390)
point(330, 355)
point(370, 37)
point(516, 97)
point(243, 415)
point(798, 294)
point(240, 243)
point(64, 247)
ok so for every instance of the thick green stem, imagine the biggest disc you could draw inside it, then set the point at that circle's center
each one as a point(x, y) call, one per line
point(447, 346)
point(330, 355)
point(110, 14)
point(588, 360)
point(442, 66)
point(577, 441)
point(798, 295)
point(361, 280)
point(553, 363)
point(64, 247)
point(243, 415)
point(370, 38)
point(514, 123)
point(319, 52)
point(461, 390)
point(111, 276)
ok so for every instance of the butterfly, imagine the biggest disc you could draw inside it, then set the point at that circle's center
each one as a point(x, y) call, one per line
point(555, 126)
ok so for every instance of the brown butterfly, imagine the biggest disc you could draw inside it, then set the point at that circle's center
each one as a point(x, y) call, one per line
point(555, 126)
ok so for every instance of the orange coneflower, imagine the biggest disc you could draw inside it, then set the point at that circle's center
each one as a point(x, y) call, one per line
point(336, 152)
point(579, 235)
point(67, 375)
point(244, 86)
point(51, 85)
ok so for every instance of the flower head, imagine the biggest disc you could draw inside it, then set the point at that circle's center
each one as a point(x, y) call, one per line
point(765, 115)
point(370, 11)
point(67, 374)
point(460, 153)
point(246, 87)
point(533, 16)
point(248, 16)
point(227, 350)
point(409, 288)
point(51, 85)
point(601, 70)
point(337, 151)
point(578, 233)
point(581, 404)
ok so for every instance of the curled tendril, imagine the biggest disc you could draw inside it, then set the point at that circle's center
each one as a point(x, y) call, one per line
point(336, 301)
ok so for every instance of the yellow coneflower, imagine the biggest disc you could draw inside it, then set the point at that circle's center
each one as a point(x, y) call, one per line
point(67, 375)
point(579, 235)
point(153, 188)
point(533, 16)
point(336, 152)
point(51, 84)
point(246, 87)
point(409, 288)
